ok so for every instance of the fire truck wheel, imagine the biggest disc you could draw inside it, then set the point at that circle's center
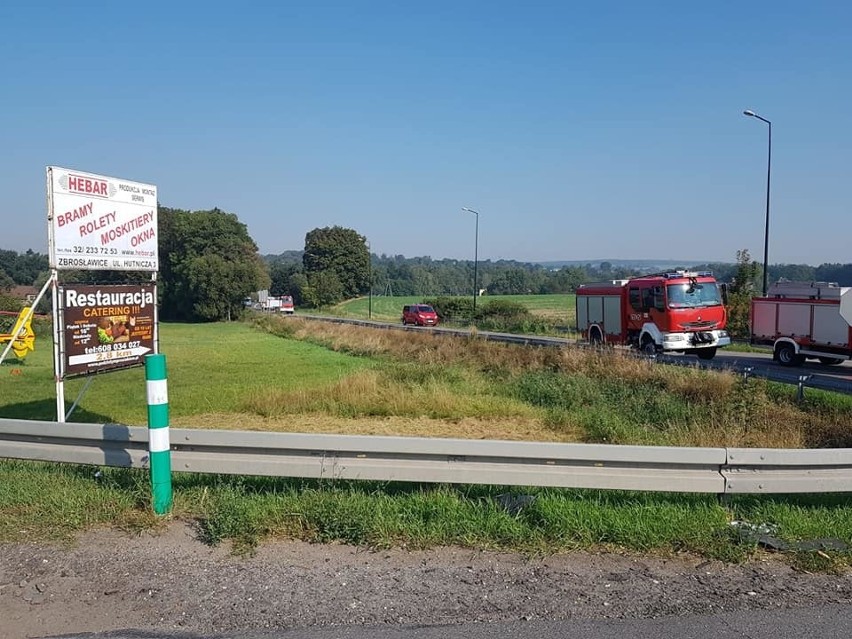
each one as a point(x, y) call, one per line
point(648, 347)
point(706, 353)
point(831, 361)
point(786, 355)
point(595, 338)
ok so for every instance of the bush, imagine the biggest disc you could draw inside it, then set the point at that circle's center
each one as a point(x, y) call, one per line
point(9, 303)
point(509, 317)
point(503, 309)
point(452, 309)
point(493, 315)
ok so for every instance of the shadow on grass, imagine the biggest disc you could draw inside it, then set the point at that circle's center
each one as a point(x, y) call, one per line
point(45, 410)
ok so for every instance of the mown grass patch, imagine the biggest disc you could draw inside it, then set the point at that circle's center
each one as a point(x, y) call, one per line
point(211, 368)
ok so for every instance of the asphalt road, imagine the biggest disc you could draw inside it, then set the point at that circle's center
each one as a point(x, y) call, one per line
point(825, 622)
point(842, 371)
point(812, 374)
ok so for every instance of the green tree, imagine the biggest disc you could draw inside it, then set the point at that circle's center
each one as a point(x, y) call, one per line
point(739, 297)
point(10, 304)
point(840, 273)
point(280, 274)
point(23, 268)
point(323, 289)
point(6, 282)
point(297, 286)
point(208, 265)
point(341, 252)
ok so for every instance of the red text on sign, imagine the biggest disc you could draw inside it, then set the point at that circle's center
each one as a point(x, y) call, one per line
point(86, 185)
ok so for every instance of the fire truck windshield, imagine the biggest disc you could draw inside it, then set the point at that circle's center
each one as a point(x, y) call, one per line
point(693, 295)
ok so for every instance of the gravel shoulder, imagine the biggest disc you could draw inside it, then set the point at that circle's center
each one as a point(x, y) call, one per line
point(171, 581)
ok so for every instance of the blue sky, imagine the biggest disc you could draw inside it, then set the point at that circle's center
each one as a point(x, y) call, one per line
point(577, 130)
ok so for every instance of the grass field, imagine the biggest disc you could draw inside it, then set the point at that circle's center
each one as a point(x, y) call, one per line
point(212, 369)
point(557, 308)
point(289, 374)
point(343, 379)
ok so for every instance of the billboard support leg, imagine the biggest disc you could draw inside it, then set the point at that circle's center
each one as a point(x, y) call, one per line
point(79, 397)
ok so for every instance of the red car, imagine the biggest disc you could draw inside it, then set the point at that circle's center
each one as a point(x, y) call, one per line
point(419, 315)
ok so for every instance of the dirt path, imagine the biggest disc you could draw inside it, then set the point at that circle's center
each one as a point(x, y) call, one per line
point(111, 580)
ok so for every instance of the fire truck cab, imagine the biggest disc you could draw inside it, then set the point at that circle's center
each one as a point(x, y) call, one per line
point(679, 311)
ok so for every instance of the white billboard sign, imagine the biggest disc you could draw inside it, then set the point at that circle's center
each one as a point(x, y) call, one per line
point(100, 223)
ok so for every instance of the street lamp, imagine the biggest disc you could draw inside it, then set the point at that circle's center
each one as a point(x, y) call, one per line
point(752, 114)
point(475, 254)
point(370, 270)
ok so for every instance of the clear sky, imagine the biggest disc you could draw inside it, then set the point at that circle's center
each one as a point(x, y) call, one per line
point(578, 130)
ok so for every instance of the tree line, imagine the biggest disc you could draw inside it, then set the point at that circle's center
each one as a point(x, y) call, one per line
point(425, 277)
point(209, 264)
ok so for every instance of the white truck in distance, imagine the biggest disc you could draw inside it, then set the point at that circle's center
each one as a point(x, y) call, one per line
point(266, 302)
point(802, 320)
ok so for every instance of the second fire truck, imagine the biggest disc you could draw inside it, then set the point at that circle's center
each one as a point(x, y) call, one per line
point(801, 320)
point(678, 311)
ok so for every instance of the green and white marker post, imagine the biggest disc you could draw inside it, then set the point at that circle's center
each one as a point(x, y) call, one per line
point(158, 433)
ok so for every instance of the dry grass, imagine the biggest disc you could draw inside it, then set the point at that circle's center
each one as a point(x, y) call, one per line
point(373, 393)
point(709, 408)
point(510, 428)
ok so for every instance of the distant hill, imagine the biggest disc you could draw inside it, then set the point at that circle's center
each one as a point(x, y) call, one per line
point(294, 257)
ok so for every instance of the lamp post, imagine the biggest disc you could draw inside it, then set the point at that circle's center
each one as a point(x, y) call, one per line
point(752, 114)
point(475, 255)
point(370, 276)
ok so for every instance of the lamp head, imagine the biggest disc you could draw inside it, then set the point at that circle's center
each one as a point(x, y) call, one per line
point(749, 113)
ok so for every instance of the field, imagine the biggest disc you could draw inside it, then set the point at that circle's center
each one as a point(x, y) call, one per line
point(557, 308)
point(213, 369)
point(291, 374)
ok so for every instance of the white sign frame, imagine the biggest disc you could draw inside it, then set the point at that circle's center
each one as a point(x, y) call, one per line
point(97, 222)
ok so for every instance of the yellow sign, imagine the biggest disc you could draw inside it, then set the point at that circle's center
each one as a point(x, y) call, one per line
point(22, 335)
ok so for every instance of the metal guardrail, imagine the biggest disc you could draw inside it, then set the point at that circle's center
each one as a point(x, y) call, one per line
point(457, 461)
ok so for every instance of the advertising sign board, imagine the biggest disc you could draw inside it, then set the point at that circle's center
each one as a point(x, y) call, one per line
point(106, 327)
point(100, 223)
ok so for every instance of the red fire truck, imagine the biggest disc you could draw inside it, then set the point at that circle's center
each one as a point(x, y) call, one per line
point(680, 311)
point(804, 319)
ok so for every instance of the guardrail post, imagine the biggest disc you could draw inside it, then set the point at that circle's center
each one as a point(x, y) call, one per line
point(158, 433)
point(800, 391)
